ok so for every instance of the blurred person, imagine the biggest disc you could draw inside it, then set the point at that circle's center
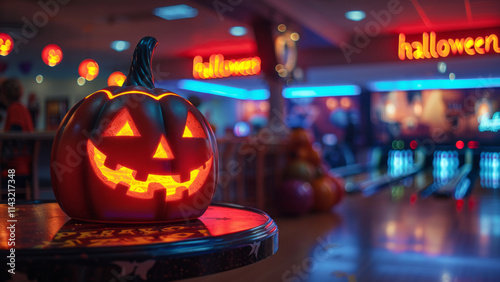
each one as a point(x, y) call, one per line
point(33, 108)
point(18, 117)
point(16, 154)
point(3, 107)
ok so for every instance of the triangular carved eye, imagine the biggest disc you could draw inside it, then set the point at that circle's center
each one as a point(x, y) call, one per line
point(122, 125)
point(163, 150)
point(193, 128)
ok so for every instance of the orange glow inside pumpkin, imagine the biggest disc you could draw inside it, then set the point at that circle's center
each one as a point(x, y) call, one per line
point(193, 128)
point(163, 150)
point(145, 189)
point(122, 125)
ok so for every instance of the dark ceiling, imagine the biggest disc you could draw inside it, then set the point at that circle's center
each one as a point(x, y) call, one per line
point(86, 28)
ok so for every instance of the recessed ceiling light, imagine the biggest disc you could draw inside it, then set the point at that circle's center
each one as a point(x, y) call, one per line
point(238, 31)
point(355, 15)
point(120, 45)
point(176, 12)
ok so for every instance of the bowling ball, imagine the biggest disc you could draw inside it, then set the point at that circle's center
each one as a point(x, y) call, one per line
point(321, 170)
point(325, 192)
point(300, 137)
point(306, 153)
point(314, 157)
point(339, 187)
point(294, 197)
point(300, 170)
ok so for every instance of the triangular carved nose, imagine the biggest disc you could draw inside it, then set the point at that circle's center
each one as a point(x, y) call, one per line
point(163, 150)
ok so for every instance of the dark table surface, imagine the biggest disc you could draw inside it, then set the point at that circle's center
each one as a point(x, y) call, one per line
point(49, 246)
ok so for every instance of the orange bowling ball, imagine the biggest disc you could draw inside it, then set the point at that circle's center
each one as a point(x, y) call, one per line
point(326, 194)
point(300, 137)
point(339, 187)
point(314, 157)
point(301, 152)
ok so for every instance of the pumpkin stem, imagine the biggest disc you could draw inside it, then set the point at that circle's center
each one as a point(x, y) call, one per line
point(140, 72)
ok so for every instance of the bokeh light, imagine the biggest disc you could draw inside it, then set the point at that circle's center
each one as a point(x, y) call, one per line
point(117, 78)
point(413, 144)
point(241, 129)
point(441, 66)
point(52, 55)
point(80, 81)
point(332, 103)
point(6, 44)
point(88, 69)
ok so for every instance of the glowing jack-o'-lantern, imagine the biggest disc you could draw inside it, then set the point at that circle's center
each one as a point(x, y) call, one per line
point(52, 55)
point(134, 153)
point(88, 69)
point(6, 44)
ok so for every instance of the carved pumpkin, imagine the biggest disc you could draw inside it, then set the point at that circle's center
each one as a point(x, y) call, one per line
point(134, 153)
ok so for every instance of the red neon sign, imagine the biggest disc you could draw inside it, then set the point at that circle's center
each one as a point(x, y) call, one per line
point(429, 48)
point(217, 67)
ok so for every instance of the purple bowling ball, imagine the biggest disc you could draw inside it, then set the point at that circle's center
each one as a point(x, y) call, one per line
point(295, 197)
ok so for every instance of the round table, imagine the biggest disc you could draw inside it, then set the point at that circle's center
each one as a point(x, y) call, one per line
point(49, 246)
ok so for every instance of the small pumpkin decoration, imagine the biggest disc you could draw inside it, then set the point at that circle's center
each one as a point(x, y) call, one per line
point(134, 153)
point(326, 194)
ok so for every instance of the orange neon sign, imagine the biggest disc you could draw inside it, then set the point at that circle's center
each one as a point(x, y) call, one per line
point(217, 67)
point(429, 48)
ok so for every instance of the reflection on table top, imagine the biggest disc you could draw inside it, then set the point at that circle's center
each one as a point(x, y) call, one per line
point(49, 245)
point(45, 226)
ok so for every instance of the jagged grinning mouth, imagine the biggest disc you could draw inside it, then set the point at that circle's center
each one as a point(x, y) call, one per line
point(145, 189)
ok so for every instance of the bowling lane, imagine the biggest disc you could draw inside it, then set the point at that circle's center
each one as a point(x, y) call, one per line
point(407, 189)
point(399, 165)
point(396, 235)
point(486, 183)
point(482, 181)
point(352, 181)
